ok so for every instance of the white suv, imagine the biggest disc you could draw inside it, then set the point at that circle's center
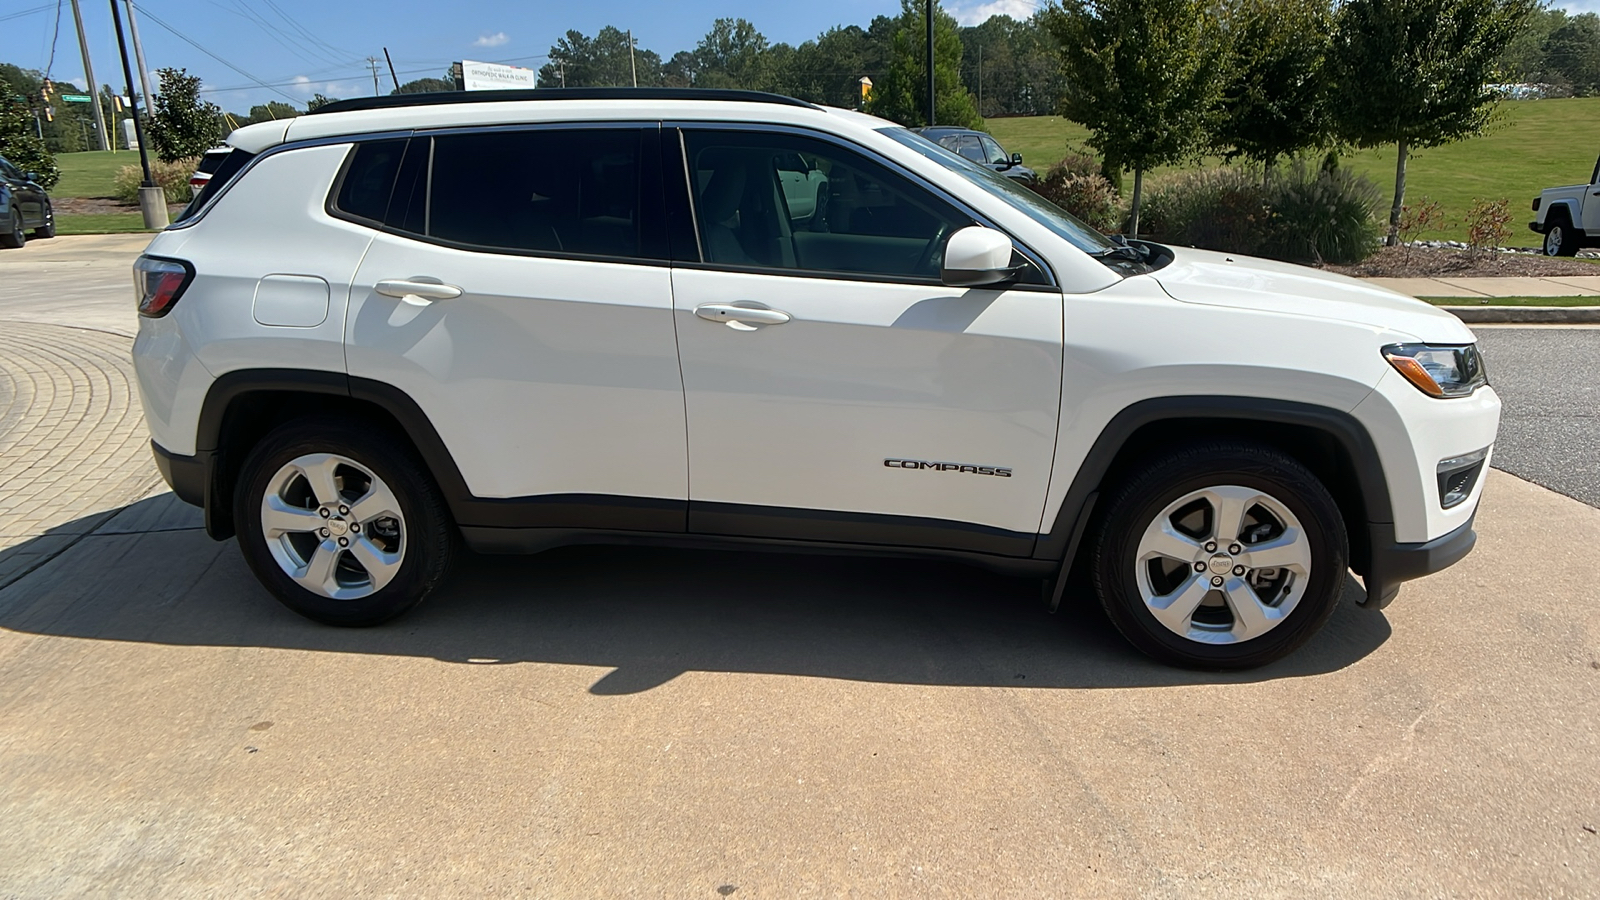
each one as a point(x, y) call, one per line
point(526, 319)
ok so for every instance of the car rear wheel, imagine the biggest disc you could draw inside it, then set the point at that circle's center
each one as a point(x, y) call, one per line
point(13, 237)
point(1220, 556)
point(1559, 239)
point(341, 525)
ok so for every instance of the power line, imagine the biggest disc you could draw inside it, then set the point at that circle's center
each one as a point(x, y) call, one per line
point(24, 12)
point(186, 39)
point(56, 35)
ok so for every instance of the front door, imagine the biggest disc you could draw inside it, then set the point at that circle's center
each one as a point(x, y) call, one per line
point(520, 296)
point(835, 389)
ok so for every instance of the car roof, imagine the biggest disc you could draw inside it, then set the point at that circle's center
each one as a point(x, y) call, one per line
point(456, 109)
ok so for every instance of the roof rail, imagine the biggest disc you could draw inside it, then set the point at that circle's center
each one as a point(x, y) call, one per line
point(578, 93)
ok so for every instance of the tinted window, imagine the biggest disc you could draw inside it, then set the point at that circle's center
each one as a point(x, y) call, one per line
point(566, 191)
point(967, 146)
point(369, 179)
point(786, 201)
point(992, 150)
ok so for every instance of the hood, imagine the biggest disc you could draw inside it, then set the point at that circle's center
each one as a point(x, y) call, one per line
point(1243, 282)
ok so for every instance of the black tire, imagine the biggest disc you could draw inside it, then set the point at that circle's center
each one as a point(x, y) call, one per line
point(48, 230)
point(1164, 480)
point(429, 541)
point(1560, 238)
point(13, 237)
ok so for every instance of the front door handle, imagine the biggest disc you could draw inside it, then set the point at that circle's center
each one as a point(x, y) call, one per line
point(426, 290)
point(741, 318)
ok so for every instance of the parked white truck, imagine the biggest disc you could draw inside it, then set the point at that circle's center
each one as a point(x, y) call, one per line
point(1569, 217)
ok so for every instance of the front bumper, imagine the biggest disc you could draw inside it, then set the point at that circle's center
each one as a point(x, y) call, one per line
point(1394, 563)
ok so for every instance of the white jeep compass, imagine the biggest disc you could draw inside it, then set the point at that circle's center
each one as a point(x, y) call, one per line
point(524, 319)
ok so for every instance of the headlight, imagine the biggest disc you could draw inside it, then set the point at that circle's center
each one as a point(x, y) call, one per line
point(1439, 370)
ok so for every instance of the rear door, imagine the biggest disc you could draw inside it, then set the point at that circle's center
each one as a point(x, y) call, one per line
point(836, 390)
point(519, 293)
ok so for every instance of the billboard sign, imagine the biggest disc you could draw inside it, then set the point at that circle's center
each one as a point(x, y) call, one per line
point(482, 76)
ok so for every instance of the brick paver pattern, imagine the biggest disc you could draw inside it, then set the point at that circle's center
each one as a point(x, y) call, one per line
point(73, 444)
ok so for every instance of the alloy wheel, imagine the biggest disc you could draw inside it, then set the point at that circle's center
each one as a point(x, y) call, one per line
point(1223, 564)
point(333, 526)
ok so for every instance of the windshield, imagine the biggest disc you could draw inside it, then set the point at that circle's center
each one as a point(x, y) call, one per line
point(1015, 195)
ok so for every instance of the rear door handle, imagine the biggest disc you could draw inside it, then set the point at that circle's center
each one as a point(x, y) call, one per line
point(426, 290)
point(741, 318)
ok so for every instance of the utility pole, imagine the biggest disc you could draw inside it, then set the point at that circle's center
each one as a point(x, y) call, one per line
point(88, 72)
point(152, 198)
point(932, 119)
point(372, 61)
point(392, 75)
point(138, 55)
point(631, 64)
point(980, 79)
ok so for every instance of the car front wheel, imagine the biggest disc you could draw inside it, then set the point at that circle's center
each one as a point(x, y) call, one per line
point(1220, 556)
point(1559, 239)
point(342, 525)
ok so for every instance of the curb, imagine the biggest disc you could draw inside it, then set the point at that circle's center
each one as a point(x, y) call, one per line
point(1526, 315)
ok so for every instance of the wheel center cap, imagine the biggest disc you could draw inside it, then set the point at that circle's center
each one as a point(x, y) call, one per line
point(337, 527)
point(1221, 564)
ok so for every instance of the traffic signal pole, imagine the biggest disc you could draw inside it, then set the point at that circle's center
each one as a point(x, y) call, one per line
point(138, 56)
point(94, 87)
point(152, 198)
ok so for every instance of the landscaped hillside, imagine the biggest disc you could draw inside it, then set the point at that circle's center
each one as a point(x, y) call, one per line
point(1533, 144)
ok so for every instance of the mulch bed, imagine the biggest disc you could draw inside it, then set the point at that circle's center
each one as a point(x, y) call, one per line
point(98, 206)
point(1418, 262)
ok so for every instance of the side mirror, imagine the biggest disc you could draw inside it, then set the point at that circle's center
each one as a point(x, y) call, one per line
point(31, 177)
point(1016, 159)
point(976, 256)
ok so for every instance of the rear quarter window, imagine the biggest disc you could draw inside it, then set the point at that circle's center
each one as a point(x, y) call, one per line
point(368, 180)
point(225, 172)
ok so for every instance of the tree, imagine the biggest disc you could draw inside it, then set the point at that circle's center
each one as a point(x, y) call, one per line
point(1572, 53)
point(1145, 76)
point(1274, 97)
point(318, 101)
point(1417, 73)
point(427, 85)
point(601, 61)
point(21, 144)
point(182, 124)
point(1020, 70)
point(902, 93)
point(272, 110)
point(730, 55)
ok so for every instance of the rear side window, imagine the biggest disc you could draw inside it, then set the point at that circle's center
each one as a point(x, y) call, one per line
point(555, 191)
point(369, 179)
point(221, 176)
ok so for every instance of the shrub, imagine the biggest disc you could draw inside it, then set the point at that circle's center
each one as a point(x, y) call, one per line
point(1303, 214)
point(173, 177)
point(1322, 216)
point(1213, 209)
point(19, 143)
point(1421, 217)
point(1077, 162)
point(1488, 224)
point(1086, 195)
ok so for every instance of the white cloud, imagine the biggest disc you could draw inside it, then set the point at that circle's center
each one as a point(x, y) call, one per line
point(978, 13)
point(302, 85)
point(492, 40)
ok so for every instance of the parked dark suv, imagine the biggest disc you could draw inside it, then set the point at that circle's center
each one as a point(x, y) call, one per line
point(981, 149)
point(24, 206)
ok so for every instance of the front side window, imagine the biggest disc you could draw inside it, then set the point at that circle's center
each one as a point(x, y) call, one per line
point(558, 191)
point(992, 150)
point(791, 202)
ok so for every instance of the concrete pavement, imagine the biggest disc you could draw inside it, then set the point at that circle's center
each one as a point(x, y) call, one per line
point(1569, 286)
point(635, 722)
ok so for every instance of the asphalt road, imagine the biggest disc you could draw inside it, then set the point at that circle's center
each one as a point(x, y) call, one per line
point(1549, 380)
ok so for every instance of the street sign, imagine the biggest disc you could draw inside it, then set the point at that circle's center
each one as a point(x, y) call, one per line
point(76, 98)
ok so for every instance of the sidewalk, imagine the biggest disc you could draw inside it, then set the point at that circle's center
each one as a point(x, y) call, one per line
point(1570, 286)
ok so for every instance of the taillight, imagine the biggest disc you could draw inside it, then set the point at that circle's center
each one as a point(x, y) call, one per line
point(159, 283)
point(198, 181)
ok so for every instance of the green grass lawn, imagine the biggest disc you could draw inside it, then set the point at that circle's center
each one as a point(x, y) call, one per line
point(1532, 145)
point(90, 174)
point(101, 223)
point(1512, 301)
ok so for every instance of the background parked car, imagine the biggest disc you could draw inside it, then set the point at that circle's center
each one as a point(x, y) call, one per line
point(208, 166)
point(24, 206)
point(1569, 217)
point(981, 149)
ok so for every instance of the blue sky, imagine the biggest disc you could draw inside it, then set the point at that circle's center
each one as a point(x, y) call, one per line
point(266, 38)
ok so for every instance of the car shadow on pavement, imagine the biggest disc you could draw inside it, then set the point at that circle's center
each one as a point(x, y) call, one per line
point(150, 575)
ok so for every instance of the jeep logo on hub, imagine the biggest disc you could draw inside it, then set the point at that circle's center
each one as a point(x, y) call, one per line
point(947, 467)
